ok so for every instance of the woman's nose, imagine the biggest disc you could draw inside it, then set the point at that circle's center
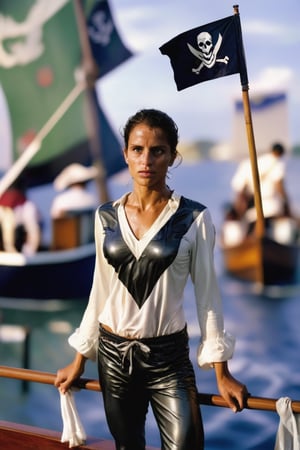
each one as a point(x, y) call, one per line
point(147, 157)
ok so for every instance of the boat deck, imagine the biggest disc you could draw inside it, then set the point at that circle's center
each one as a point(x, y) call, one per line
point(14, 435)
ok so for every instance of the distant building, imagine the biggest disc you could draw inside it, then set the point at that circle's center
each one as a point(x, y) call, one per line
point(270, 120)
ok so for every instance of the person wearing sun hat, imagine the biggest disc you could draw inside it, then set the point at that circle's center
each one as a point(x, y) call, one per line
point(72, 185)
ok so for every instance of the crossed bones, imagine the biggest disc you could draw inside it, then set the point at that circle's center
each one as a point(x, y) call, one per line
point(213, 56)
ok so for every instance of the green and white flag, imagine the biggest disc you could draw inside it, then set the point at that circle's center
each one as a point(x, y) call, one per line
point(39, 54)
point(40, 58)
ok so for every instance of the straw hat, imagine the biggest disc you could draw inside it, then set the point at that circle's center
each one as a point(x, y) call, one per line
point(72, 174)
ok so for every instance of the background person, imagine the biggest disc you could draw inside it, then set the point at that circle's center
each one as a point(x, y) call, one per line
point(271, 168)
point(148, 243)
point(72, 185)
point(20, 220)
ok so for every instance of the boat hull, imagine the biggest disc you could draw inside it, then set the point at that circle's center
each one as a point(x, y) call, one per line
point(65, 274)
point(262, 260)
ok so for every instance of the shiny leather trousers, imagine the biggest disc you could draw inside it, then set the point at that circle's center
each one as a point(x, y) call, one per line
point(155, 371)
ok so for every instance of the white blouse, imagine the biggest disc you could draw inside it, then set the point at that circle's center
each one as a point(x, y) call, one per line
point(162, 312)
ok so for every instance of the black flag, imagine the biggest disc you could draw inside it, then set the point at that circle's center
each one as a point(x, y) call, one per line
point(106, 45)
point(211, 51)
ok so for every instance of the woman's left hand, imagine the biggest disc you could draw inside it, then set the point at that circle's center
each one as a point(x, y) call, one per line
point(233, 391)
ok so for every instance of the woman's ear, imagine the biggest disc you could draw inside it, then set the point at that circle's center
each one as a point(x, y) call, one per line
point(125, 155)
point(173, 157)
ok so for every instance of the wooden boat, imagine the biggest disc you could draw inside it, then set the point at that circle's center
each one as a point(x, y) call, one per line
point(262, 260)
point(65, 274)
point(61, 274)
point(62, 271)
point(24, 437)
point(64, 124)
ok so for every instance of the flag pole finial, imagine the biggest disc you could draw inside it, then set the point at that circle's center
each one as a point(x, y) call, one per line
point(236, 9)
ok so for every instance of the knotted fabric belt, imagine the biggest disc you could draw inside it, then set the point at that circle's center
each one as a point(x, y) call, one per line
point(127, 346)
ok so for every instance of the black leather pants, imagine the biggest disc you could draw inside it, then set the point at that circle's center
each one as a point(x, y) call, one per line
point(134, 373)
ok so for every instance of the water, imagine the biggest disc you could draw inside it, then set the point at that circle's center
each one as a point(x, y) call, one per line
point(266, 327)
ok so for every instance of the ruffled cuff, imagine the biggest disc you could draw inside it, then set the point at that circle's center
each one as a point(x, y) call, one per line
point(215, 350)
point(84, 346)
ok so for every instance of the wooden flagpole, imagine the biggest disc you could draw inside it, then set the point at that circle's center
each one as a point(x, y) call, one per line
point(260, 227)
point(91, 72)
point(260, 222)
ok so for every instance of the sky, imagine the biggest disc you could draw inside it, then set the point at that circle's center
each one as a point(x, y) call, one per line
point(271, 37)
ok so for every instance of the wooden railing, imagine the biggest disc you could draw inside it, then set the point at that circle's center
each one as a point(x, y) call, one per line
point(24, 437)
point(258, 403)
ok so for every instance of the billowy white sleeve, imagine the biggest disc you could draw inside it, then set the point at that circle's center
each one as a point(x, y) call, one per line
point(216, 344)
point(85, 338)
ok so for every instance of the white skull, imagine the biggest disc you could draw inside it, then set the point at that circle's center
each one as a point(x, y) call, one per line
point(206, 48)
point(207, 52)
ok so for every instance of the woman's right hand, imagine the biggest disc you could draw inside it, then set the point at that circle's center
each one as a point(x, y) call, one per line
point(66, 376)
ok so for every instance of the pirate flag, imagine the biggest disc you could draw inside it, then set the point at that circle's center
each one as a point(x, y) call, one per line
point(106, 44)
point(207, 52)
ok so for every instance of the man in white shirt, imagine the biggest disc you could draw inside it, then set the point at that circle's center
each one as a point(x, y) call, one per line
point(271, 168)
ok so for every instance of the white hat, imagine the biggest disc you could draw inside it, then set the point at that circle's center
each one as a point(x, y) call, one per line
point(74, 173)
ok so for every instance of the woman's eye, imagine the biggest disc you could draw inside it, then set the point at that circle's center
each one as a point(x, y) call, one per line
point(158, 151)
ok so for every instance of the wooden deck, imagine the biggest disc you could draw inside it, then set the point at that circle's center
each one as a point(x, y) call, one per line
point(15, 436)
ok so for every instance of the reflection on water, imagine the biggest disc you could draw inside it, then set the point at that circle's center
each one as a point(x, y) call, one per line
point(266, 359)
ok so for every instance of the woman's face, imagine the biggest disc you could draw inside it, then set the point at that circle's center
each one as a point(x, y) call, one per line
point(148, 156)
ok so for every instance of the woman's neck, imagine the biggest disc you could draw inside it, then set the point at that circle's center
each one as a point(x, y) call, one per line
point(144, 199)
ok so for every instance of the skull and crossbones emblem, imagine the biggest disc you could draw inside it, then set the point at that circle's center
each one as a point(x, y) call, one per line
point(207, 52)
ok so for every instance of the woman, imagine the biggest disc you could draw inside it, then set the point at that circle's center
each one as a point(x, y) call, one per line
point(148, 243)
